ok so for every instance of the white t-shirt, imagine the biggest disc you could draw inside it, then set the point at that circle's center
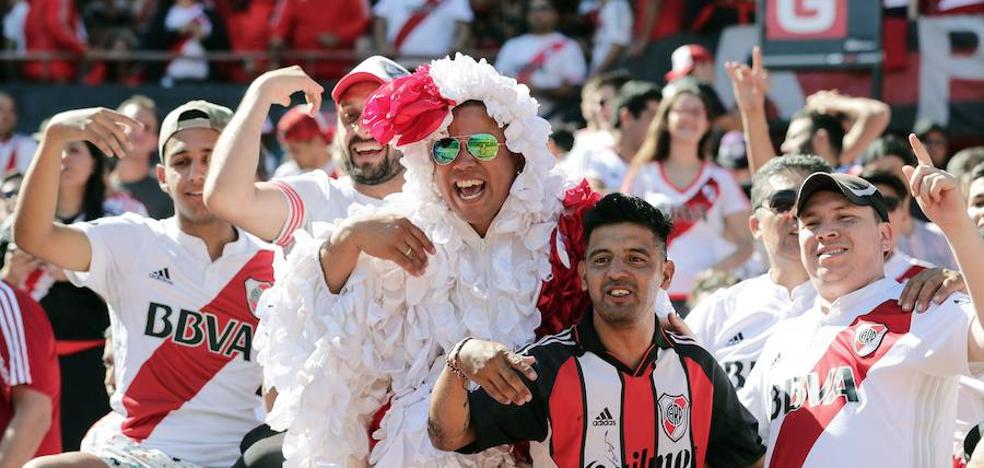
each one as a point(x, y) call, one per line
point(562, 61)
point(182, 329)
point(865, 384)
point(698, 212)
point(733, 324)
point(614, 28)
point(290, 168)
point(16, 153)
point(432, 37)
point(314, 197)
point(599, 163)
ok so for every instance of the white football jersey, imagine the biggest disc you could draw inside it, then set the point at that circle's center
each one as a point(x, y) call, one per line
point(16, 153)
point(901, 267)
point(733, 324)
point(865, 384)
point(182, 332)
point(698, 211)
point(314, 197)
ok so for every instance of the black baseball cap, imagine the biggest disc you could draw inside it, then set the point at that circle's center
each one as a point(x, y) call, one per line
point(855, 189)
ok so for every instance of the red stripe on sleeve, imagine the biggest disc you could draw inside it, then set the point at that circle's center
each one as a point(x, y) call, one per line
point(567, 405)
point(294, 218)
point(802, 427)
point(175, 373)
point(701, 406)
point(912, 271)
point(639, 419)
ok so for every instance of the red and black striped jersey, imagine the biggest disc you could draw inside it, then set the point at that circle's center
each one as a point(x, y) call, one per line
point(676, 408)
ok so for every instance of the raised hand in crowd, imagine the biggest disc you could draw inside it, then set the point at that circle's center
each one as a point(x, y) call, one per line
point(278, 86)
point(750, 86)
point(868, 117)
point(102, 127)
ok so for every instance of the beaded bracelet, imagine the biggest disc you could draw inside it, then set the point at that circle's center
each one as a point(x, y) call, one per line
point(452, 359)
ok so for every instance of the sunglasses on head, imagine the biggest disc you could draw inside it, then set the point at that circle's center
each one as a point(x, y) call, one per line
point(483, 146)
point(781, 201)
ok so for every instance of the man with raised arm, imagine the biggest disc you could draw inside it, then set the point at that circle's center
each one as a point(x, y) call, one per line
point(274, 210)
point(181, 293)
point(830, 383)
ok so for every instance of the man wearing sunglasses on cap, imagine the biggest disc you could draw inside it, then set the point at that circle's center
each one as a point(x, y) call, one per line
point(346, 333)
point(734, 323)
point(856, 380)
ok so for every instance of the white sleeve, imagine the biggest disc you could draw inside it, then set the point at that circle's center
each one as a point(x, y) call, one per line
point(460, 10)
point(756, 394)
point(735, 200)
point(116, 242)
point(383, 9)
point(324, 354)
point(576, 69)
point(303, 192)
point(504, 60)
point(616, 23)
point(703, 317)
point(25, 154)
point(942, 333)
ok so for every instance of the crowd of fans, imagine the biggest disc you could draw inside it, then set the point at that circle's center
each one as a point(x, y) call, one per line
point(713, 171)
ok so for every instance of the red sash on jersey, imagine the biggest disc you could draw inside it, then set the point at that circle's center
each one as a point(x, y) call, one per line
point(413, 21)
point(912, 271)
point(802, 427)
point(538, 60)
point(687, 215)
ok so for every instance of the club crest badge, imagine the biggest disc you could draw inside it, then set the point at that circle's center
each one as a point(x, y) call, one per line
point(674, 411)
point(868, 337)
point(254, 289)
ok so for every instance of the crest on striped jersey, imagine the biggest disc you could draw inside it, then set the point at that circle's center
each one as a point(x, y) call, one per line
point(868, 337)
point(674, 412)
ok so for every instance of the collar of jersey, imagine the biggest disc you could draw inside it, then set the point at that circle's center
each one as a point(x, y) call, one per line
point(196, 245)
point(847, 307)
point(587, 337)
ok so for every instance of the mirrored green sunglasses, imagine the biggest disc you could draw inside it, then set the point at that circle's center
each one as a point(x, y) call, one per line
point(484, 146)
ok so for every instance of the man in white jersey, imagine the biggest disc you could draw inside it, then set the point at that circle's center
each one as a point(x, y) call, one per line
point(16, 149)
point(856, 380)
point(734, 323)
point(278, 208)
point(181, 294)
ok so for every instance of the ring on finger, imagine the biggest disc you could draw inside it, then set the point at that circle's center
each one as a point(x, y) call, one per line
point(408, 252)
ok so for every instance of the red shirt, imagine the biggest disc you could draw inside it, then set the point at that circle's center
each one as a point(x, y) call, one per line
point(27, 352)
point(302, 22)
point(52, 25)
point(669, 17)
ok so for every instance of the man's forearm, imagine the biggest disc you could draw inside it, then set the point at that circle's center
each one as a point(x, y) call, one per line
point(756, 130)
point(448, 422)
point(338, 256)
point(968, 248)
point(870, 120)
point(31, 421)
point(230, 182)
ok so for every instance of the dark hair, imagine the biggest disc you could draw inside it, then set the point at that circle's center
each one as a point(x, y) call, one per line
point(831, 123)
point(634, 96)
point(563, 138)
point(888, 179)
point(802, 164)
point(889, 146)
point(614, 79)
point(656, 146)
point(977, 172)
point(95, 186)
point(616, 208)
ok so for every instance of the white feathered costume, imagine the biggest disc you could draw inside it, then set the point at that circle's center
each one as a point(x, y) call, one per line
point(335, 359)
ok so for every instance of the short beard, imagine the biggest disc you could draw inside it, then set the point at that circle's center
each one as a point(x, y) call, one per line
point(387, 169)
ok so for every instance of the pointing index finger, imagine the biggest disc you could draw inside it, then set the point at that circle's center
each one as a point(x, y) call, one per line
point(921, 154)
point(757, 65)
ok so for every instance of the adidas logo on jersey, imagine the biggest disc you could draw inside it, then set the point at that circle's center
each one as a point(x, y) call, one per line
point(162, 275)
point(735, 339)
point(604, 419)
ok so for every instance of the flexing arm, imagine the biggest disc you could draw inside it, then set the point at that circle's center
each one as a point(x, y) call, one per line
point(31, 421)
point(750, 85)
point(869, 119)
point(938, 194)
point(230, 184)
point(34, 228)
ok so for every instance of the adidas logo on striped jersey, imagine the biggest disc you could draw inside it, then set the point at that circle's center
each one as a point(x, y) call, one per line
point(604, 419)
point(162, 275)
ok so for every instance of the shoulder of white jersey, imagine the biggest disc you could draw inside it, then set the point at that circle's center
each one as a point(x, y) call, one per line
point(12, 327)
point(563, 338)
point(680, 339)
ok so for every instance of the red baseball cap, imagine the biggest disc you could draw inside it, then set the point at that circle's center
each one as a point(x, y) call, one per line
point(376, 69)
point(684, 58)
point(297, 125)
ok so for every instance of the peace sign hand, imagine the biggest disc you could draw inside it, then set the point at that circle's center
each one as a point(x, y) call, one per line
point(937, 191)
